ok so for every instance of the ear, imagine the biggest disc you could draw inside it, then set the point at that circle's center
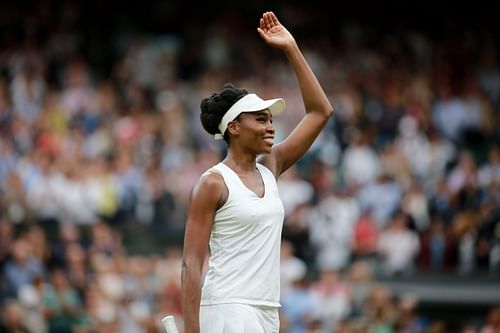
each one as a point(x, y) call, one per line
point(233, 128)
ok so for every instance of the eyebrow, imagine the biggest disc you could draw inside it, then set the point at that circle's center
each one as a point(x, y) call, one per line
point(262, 113)
point(255, 114)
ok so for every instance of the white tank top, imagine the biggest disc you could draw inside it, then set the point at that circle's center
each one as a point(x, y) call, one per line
point(244, 264)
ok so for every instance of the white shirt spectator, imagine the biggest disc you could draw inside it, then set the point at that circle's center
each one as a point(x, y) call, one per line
point(463, 173)
point(414, 145)
point(382, 198)
point(291, 267)
point(28, 90)
point(360, 164)
point(331, 228)
point(490, 172)
point(450, 117)
point(333, 299)
point(441, 152)
point(398, 247)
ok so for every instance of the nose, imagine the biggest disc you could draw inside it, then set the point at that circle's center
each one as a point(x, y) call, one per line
point(270, 127)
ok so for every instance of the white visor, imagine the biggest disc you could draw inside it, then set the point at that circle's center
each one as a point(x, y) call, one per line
point(249, 103)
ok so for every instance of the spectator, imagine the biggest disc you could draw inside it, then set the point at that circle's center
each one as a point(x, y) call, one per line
point(465, 231)
point(361, 164)
point(380, 311)
point(395, 164)
point(492, 324)
point(291, 267)
point(415, 205)
point(298, 305)
point(331, 228)
point(449, 113)
point(28, 89)
point(294, 191)
point(62, 304)
point(361, 283)
point(6, 239)
point(442, 152)
point(408, 320)
point(365, 238)
point(12, 319)
point(438, 251)
point(398, 246)
point(463, 174)
point(489, 173)
point(333, 298)
point(415, 146)
point(100, 137)
point(382, 197)
point(22, 268)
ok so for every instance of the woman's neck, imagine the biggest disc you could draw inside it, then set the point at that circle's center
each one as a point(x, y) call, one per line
point(239, 161)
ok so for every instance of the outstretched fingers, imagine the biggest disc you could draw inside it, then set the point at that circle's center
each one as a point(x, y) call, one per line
point(267, 20)
point(270, 22)
point(267, 25)
point(273, 19)
point(262, 24)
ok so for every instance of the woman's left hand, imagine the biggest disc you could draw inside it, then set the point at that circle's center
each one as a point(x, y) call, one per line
point(273, 32)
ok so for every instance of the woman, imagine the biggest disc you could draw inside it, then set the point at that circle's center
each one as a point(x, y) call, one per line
point(235, 206)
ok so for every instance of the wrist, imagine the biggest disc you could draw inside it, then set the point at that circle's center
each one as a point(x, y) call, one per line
point(291, 48)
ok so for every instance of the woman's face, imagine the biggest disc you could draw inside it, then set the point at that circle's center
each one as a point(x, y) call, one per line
point(255, 131)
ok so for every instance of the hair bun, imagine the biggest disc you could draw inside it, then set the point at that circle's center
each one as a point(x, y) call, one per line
point(228, 86)
point(214, 107)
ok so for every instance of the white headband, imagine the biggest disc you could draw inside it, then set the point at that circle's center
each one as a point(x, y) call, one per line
point(249, 103)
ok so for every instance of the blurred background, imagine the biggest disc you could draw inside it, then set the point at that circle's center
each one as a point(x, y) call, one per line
point(392, 218)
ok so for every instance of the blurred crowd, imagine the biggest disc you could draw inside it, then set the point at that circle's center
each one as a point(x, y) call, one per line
point(404, 179)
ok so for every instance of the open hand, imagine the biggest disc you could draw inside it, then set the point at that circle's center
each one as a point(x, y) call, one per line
point(273, 32)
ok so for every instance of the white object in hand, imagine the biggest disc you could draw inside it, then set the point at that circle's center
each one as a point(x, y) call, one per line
point(169, 323)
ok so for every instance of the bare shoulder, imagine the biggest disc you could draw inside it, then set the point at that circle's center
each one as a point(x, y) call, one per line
point(211, 180)
point(210, 187)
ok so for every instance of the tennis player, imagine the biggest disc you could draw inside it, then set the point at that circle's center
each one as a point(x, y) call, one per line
point(235, 209)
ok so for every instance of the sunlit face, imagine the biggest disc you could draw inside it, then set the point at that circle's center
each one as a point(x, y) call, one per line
point(255, 131)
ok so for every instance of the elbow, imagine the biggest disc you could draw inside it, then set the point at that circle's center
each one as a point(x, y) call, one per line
point(326, 109)
point(322, 108)
point(329, 112)
point(323, 114)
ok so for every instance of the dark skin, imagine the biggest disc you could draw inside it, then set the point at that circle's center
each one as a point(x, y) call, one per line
point(251, 137)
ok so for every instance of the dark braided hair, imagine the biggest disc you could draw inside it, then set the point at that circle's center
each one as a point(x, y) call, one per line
point(215, 107)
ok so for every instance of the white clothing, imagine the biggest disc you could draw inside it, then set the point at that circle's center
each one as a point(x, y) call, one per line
point(332, 225)
point(294, 192)
point(399, 249)
point(238, 318)
point(244, 264)
point(291, 269)
point(360, 165)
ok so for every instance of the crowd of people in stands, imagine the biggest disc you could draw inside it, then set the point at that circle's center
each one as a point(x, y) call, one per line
point(404, 180)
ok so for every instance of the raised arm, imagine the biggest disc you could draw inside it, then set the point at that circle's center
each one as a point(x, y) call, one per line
point(318, 108)
point(205, 199)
